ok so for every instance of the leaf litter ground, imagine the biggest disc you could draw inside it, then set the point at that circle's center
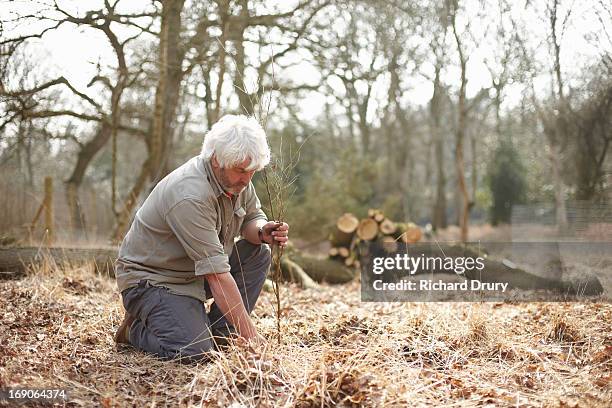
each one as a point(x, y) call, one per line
point(57, 326)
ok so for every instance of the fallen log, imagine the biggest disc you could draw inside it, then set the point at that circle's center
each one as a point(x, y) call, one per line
point(322, 270)
point(293, 272)
point(14, 262)
point(494, 271)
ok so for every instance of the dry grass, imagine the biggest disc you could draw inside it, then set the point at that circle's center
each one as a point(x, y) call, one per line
point(57, 325)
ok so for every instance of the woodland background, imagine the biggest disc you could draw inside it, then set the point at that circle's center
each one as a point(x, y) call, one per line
point(437, 112)
point(470, 118)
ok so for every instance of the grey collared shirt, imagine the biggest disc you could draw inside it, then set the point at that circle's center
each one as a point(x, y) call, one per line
point(185, 228)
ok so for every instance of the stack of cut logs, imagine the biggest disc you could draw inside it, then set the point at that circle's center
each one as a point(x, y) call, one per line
point(349, 231)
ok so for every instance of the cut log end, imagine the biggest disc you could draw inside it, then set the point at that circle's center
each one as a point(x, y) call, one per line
point(343, 252)
point(367, 230)
point(347, 223)
point(409, 232)
point(413, 233)
point(344, 231)
point(388, 227)
point(376, 214)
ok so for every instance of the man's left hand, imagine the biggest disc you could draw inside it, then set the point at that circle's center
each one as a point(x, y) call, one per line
point(275, 233)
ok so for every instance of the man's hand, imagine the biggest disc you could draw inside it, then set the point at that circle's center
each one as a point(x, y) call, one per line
point(275, 233)
point(255, 343)
point(227, 297)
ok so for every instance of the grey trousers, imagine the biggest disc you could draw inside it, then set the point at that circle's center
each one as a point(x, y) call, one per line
point(177, 327)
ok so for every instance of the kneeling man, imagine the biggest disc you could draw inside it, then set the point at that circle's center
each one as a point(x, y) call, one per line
point(180, 249)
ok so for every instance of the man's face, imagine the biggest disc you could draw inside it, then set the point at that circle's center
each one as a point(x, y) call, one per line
point(233, 179)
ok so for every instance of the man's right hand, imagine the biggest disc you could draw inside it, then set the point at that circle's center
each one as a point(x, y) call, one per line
point(275, 233)
point(255, 343)
point(227, 297)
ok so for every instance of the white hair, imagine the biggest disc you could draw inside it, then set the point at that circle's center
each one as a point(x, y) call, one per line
point(234, 139)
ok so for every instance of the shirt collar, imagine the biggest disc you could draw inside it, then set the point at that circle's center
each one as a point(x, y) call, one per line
point(214, 183)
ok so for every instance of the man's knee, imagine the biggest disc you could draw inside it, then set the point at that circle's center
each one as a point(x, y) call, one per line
point(185, 331)
point(261, 263)
point(265, 255)
point(181, 347)
point(194, 353)
point(258, 257)
point(171, 326)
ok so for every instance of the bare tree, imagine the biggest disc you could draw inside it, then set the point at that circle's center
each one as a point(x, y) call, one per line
point(554, 128)
point(25, 106)
point(462, 118)
point(593, 120)
point(350, 53)
point(397, 26)
point(166, 98)
point(437, 23)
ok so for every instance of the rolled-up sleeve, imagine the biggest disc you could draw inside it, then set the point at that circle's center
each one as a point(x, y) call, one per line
point(193, 222)
point(252, 207)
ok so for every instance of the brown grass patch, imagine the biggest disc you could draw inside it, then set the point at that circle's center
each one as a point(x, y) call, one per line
point(57, 325)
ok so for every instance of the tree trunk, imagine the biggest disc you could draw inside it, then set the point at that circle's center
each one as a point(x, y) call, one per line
point(14, 262)
point(560, 210)
point(73, 184)
point(172, 91)
point(560, 127)
point(464, 213)
point(323, 270)
point(293, 272)
point(364, 127)
point(244, 97)
point(474, 169)
point(77, 217)
point(166, 98)
point(439, 210)
point(404, 160)
point(29, 163)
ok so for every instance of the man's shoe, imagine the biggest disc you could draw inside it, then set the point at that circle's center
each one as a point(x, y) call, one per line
point(122, 336)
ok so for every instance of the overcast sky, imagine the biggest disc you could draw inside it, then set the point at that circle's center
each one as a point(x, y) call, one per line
point(75, 52)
